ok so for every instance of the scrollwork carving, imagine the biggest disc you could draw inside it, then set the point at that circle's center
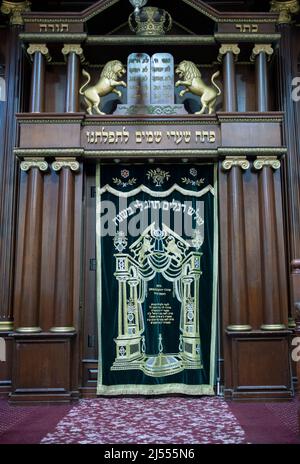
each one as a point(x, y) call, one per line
point(41, 48)
point(70, 163)
point(73, 48)
point(262, 161)
point(231, 161)
point(42, 165)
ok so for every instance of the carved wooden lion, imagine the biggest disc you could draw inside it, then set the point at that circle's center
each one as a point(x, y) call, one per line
point(106, 84)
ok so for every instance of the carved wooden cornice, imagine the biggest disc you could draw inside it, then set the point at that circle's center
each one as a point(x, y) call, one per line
point(262, 161)
point(231, 161)
point(286, 10)
point(15, 10)
point(70, 163)
point(262, 48)
point(73, 48)
point(228, 48)
point(42, 48)
point(39, 163)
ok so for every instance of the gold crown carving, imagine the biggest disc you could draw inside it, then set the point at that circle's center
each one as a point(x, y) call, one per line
point(150, 21)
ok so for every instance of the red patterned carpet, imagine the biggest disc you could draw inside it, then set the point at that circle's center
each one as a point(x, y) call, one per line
point(168, 420)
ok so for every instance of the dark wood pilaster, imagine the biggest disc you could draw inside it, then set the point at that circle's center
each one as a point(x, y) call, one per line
point(74, 54)
point(64, 270)
point(37, 92)
point(275, 310)
point(27, 295)
point(237, 280)
point(228, 54)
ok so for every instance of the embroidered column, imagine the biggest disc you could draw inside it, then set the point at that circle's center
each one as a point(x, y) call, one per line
point(37, 94)
point(228, 53)
point(272, 317)
point(63, 303)
point(73, 53)
point(237, 266)
point(28, 300)
point(262, 53)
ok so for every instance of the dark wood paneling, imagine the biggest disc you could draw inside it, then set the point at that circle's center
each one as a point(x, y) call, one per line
point(89, 334)
point(261, 367)
point(6, 366)
point(42, 366)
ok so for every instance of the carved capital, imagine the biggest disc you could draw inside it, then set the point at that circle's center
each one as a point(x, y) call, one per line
point(15, 10)
point(42, 48)
point(228, 48)
point(262, 161)
point(286, 10)
point(73, 48)
point(231, 161)
point(262, 48)
point(39, 163)
point(70, 163)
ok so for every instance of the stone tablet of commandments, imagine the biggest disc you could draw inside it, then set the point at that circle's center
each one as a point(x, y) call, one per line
point(162, 79)
point(138, 76)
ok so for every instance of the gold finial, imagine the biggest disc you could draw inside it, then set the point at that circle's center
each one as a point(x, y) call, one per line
point(286, 10)
point(15, 10)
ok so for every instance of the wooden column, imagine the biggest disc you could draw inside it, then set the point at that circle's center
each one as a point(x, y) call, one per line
point(271, 271)
point(260, 54)
point(237, 278)
point(74, 53)
point(37, 93)
point(28, 297)
point(64, 269)
point(13, 73)
point(228, 54)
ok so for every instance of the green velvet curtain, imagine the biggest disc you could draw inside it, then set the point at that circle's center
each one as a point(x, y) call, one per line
point(156, 278)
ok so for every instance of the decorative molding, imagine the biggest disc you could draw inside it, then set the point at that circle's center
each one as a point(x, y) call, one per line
point(38, 153)
point(35, 37)
point(28, 330)
point(228, 48)
point(252, 151)
point(231, 161)
point(273, 327)
point(253, 37)
point(239, 328)
point(262, 161)
point(60, 163)
point(73, 48)
point(41, 48)
point(62, 329)
point(41, 164)
point(6, 326)
point(153, 40)
point(286, 10)
point(262, 48)
point(15, 10)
